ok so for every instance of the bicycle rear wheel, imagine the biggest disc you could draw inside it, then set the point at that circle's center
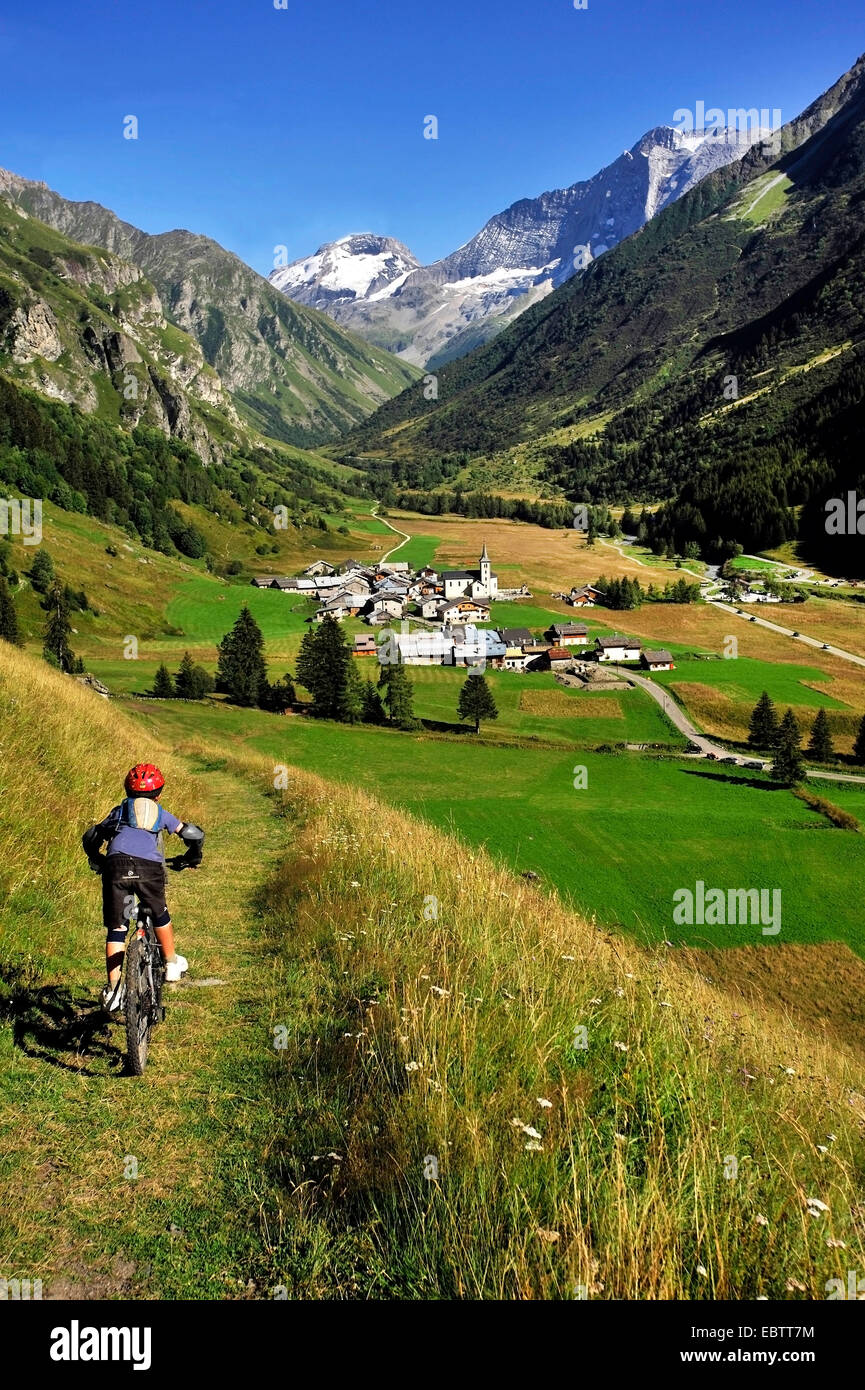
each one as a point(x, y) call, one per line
point(139, 1004)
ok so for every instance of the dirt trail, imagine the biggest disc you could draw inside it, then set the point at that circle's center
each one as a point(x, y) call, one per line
point(82, 1221)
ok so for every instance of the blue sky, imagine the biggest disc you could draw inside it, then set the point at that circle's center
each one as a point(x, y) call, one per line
point(263, 127)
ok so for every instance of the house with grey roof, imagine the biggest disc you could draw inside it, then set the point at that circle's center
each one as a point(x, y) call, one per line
point(657, 659)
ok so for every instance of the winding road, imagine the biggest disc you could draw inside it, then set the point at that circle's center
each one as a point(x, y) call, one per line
point(679, 718)
point(405, 535)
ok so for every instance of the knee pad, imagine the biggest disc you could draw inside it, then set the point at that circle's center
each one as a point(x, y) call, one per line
point(163, 919)
point(116, 935)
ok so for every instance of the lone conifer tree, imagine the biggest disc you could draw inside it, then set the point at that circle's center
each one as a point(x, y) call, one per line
point(476, 701)
point(373, 709)
point(192, 682)
point(397, 691)
point(56, 646)
point(241, 670)
point(763, 729)
point(163, 685)
point(788, 765)
point(351, 701)
point(820, 746)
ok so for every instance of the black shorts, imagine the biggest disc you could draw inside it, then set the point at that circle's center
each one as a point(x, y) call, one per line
point(123, 880)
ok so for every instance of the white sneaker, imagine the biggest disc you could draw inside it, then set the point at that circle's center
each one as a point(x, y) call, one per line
point(111, 997)
point(176, 969)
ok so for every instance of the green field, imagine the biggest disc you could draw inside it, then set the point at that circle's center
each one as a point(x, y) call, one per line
point(618, 849)
point(639, 719)
point(418, 551)
point(747, 562)
point(745, 678)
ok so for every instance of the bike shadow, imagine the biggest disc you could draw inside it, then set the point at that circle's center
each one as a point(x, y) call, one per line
point(54, 1024)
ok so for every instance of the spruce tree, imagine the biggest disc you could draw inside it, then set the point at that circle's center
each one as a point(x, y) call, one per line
point(42, 572)
point(397, 691)
point(163, 685)
point(859, 745)
point(322, 667)
point(191, 680)
point(56, 647)
point(820, 746)
point(788, 765)
point(763, 729)
point(9, 629)
point(373, 709)
point(476, 701)
point(241, 669)
point(351, 701)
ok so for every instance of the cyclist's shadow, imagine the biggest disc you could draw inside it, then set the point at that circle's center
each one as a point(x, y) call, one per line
point(54, 1024)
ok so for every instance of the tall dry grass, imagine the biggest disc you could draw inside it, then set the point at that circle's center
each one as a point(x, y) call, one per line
point(671, 1156)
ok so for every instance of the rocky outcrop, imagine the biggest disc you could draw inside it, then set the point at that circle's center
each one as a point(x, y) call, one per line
point(32, 332)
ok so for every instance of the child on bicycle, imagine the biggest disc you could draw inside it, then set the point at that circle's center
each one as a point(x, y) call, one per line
point(134, 867)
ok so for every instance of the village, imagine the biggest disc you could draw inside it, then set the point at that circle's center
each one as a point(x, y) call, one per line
point(440, 613)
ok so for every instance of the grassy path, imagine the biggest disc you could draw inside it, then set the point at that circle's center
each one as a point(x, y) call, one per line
point(76, 1216)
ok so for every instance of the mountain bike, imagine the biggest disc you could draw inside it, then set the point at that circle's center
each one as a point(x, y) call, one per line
point(141, 988)
point(142, 982)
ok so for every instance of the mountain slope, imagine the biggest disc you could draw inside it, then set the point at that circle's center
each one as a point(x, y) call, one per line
point(754, 274)
point(434, 313)
point(107, 408)
point(292, 373)
point(83, 326)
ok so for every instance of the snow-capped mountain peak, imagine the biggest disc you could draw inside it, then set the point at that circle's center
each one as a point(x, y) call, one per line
point(359, 266)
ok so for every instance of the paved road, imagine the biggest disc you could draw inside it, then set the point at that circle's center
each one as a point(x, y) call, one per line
point(677, 716)
point(788, 632)
point(674, 712)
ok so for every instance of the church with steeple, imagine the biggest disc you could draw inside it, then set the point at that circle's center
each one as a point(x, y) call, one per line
point(480, 584)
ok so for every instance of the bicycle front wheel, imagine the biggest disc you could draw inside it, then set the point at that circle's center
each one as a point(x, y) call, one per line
point(139, 1004)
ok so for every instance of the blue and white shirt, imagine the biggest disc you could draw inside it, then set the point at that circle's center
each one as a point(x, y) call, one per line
point(135, 827)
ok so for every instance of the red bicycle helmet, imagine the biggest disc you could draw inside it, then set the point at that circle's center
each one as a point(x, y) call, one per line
point(144, 777)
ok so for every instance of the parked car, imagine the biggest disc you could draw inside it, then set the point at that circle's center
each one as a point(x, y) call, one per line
point(713, 757)
point(752, 620)
point(758, 767)
point(735, 761)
